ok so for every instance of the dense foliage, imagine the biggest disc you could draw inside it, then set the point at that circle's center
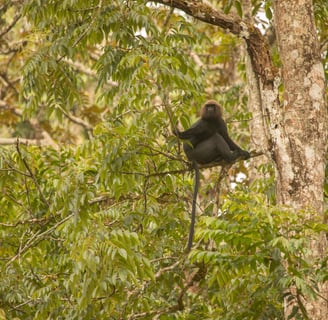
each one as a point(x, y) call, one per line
point(94, 220)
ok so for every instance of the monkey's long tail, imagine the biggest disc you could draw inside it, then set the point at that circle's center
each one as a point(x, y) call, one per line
point(193, 208)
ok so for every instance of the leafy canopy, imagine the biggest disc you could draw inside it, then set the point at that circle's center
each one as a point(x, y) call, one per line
point(95, 224)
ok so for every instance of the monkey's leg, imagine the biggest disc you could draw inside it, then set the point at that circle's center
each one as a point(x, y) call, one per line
point(223, 151)
point(213, 149)
point(203, 153)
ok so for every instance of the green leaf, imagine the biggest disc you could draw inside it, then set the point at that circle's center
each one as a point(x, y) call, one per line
point(239, 8)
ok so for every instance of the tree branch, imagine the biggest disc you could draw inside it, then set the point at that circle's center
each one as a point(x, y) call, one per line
point(35, 142)
point(3, 31)
point(257, 45)
point(253, 154)
point(31, 174)
point(77, 120)
point(203, 11)
point(45, 139)
point(38, 236)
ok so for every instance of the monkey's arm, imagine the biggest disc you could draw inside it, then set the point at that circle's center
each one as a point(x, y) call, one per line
point(198, 131)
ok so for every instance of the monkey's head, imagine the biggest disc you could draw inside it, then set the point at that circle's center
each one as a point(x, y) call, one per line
point(211, 110)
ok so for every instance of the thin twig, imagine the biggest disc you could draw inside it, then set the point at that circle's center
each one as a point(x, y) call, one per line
point(10, 26)
point(167, 19)
point(22, 222)
point(31, 174)
point(167, 155)
point(76, 120)
point(36, 238)
point(94, 19)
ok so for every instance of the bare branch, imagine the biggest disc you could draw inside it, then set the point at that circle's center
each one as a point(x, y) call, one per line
point(80, 67)
point(257, 45)
point(77, 120)
point(205, 12)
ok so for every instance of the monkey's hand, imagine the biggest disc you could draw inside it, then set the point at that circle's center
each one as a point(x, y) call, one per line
point(176, 132)
point(244, 154)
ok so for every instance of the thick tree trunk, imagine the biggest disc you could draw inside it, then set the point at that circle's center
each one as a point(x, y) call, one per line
point(303, 128)
point(300, 130)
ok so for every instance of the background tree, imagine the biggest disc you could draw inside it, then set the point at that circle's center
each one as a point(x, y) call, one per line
point(96, 194)
point(303, 123)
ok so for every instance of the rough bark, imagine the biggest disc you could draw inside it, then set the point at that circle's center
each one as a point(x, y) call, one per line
point(300, 155)
point(300, 135)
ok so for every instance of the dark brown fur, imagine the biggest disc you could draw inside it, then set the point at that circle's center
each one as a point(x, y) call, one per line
point(208, 141)
point(205, 115)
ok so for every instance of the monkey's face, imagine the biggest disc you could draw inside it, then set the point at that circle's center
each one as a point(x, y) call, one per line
point(210, 109)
